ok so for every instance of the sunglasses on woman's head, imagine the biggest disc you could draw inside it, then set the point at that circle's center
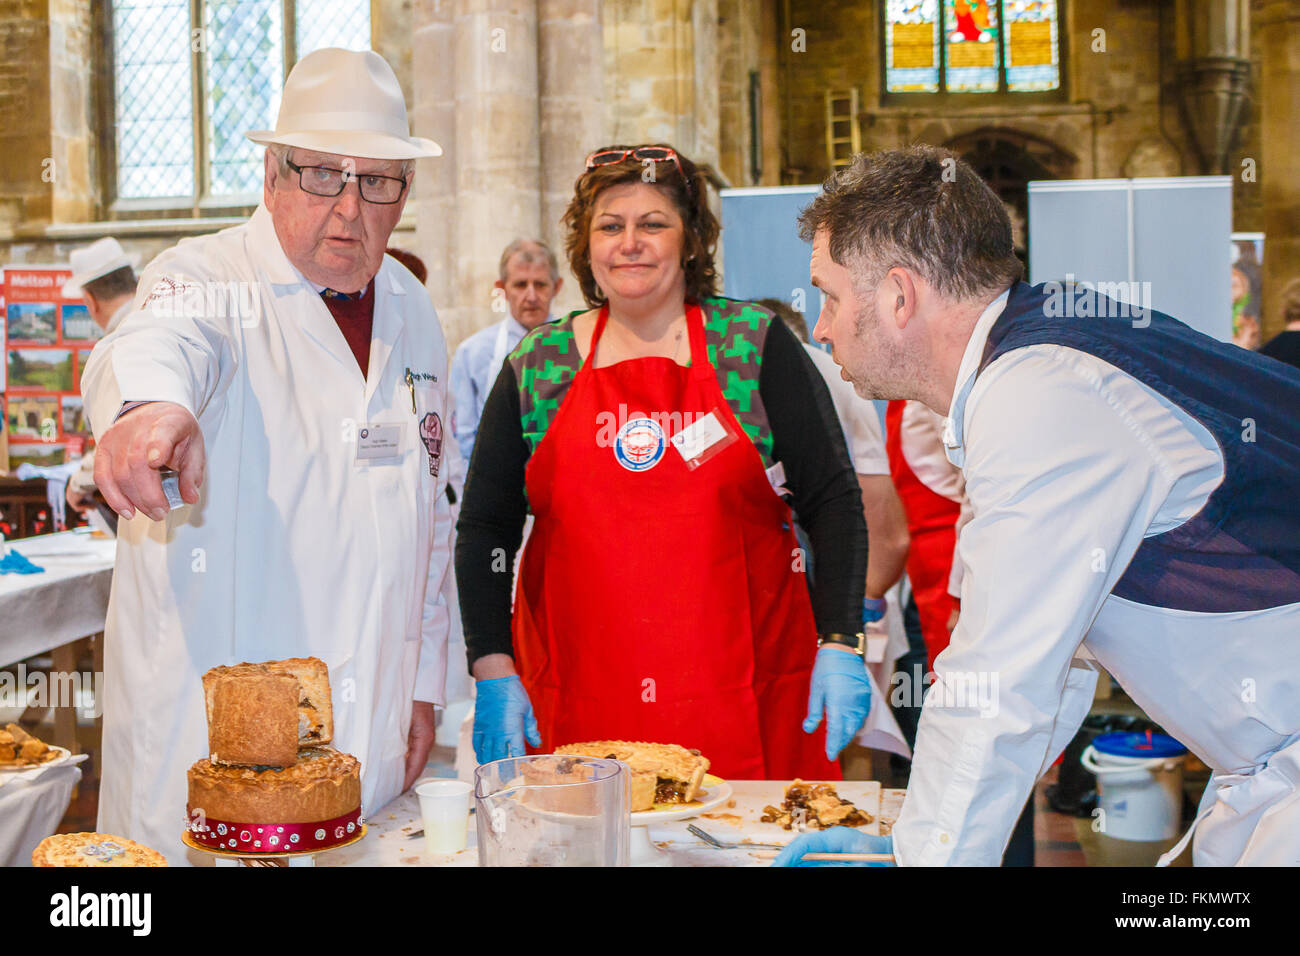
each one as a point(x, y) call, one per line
point(654, 154)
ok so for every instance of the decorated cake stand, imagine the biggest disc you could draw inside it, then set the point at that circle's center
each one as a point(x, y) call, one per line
point(298, 844)
point(642, 851)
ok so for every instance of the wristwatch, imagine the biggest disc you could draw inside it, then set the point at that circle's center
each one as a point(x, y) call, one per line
point(857, 643)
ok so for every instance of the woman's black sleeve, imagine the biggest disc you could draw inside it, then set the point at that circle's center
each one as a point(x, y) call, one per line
point(809, 441)
point(491, 523)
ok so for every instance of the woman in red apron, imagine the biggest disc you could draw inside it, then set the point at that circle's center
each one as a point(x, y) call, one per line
point(932, 523)
point(661, 596)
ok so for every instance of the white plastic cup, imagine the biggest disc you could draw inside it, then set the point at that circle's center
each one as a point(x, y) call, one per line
point(444, 805)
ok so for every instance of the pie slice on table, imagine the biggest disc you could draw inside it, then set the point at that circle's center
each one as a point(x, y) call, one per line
point(661, 773)
point(816, 805)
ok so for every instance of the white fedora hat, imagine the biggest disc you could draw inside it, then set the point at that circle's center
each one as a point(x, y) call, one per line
point(96, 261)
point(345, 102)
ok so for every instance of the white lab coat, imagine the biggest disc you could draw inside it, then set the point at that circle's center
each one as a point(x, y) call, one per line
point(1069, 464)
point(295, 547)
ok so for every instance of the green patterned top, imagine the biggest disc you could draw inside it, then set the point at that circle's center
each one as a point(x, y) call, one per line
point(547, 360)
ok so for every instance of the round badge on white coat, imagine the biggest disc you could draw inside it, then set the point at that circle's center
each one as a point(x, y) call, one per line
point(639, 444)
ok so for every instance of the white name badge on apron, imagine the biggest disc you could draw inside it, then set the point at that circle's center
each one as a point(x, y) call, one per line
point(702, 439)
point(379, 442)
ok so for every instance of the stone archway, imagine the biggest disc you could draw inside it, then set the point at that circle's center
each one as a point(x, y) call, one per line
point(1008, 160)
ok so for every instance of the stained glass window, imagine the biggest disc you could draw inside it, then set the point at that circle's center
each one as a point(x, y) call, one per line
point(1031, 45)
point(912, 46)
point(239, 45)
point(971, 46)
point(971, 49)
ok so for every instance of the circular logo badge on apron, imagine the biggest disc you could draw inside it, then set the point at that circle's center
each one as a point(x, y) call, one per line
point(639, 444)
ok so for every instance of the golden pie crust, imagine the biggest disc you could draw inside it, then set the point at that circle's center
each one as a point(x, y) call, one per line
point(322, 784)
point(661, 773)
point(93, 849)
point(261, 714)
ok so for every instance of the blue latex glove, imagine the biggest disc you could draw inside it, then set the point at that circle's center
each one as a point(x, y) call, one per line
point(834, 840)
point(840, 686)
point(503, 716)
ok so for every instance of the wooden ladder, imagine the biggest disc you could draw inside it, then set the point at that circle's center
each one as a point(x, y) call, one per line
point(842, 136)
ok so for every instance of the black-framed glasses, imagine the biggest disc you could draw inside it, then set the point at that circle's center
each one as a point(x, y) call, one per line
point(325, 181)
point(655, 154)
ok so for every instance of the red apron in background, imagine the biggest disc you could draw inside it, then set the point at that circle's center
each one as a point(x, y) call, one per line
point(664, 604)
point(932, 523)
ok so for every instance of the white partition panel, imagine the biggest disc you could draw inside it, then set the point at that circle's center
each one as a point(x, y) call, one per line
point(1159, 241)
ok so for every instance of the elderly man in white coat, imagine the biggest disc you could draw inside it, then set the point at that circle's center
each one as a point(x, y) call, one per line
point(295, 379)
point(1123, 508)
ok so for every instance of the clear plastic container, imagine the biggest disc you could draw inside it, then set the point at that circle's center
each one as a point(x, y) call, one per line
point(551, 810)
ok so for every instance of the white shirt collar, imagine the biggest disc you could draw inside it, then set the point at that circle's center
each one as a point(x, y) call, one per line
point(273, 261)
point(953, 426)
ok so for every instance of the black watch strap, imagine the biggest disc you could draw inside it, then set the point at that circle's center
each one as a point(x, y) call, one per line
point(855, 642)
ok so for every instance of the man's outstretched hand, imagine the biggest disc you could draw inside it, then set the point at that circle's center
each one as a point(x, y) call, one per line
point(138, 445)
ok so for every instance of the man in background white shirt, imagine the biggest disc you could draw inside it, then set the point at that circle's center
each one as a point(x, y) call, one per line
point(529, 281)
point(1121, 498)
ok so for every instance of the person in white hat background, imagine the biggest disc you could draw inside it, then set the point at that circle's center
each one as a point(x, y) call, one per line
point(295, 379)
point(104, 276)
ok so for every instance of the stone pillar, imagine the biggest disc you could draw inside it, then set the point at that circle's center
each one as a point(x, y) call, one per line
point(25, 195)
point(45, 141)
point(497, 174)
point(475, 77)
point(433, 78)
point(1277, 33)
point(571, 80)
point(391, 36)
point(73, 199)
point(661, 60)
point(1213, 48)
point(703, 108)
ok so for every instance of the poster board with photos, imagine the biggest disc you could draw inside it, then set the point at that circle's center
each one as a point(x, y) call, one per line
point(46, 341)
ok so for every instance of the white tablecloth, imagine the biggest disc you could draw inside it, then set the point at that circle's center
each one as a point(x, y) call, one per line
point(387, 843)
point(30, 810)
point(68, 600)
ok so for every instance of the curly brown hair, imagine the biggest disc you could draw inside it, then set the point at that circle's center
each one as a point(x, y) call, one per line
point(688, 194)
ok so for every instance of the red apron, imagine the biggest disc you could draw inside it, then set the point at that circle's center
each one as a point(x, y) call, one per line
point(932, 523)
point(664, 604)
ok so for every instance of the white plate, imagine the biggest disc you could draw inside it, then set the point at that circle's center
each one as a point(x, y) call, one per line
point(710, 798)
point(64, 756)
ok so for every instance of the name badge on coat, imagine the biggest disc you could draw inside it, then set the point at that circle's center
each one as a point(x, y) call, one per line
point(380, 442)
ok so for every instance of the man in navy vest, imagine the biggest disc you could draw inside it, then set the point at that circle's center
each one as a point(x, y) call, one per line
point(1135, 489)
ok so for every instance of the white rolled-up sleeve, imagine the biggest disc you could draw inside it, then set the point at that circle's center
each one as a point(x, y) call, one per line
point(1063, 483)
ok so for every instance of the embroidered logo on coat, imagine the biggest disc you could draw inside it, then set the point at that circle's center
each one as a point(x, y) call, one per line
point(639, 444)
point(431, 435)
